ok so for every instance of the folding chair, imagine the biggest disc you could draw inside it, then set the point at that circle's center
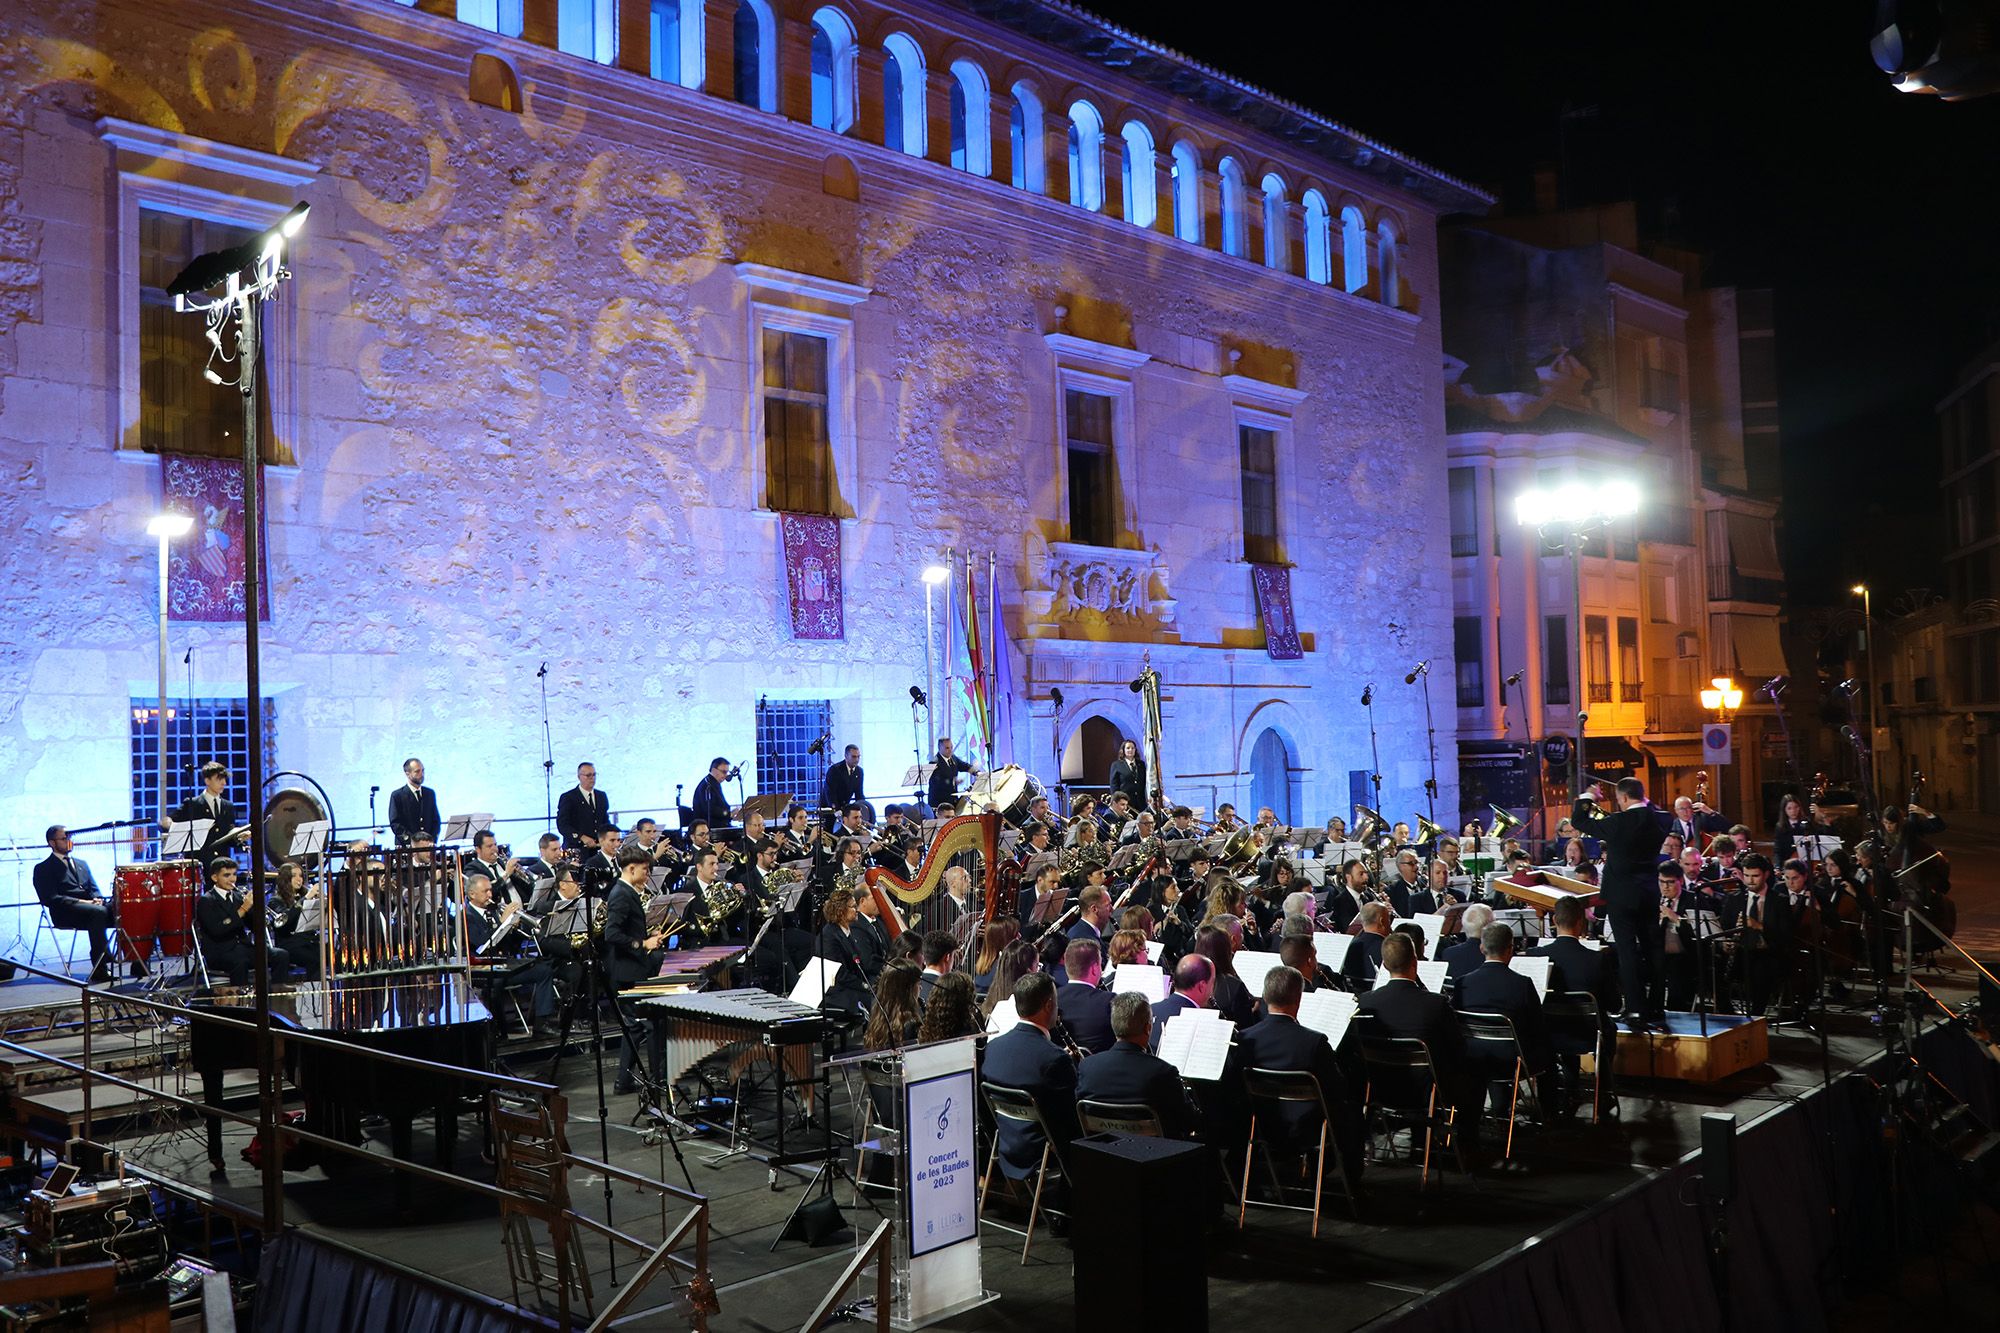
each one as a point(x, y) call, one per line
point(1402, 1085)
point(1013, 1104)
point(47, 925)
point(1490, 1040)
point(1575, 1026)
point(877, 1137)
point(1295, 1087)
point(1130, 1118)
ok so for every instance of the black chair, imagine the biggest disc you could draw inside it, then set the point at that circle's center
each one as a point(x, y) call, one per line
point(1576, 1028)
point(1297, 1086)
point(1131, 1118)
point(1402, 1085)
point(1490, 1040)
point(1013, 1104)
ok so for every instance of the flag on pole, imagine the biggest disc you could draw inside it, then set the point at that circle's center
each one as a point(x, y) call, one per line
point(1000, 651)
point(965, 713)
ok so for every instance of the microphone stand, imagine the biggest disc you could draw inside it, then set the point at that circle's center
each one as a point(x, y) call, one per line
point(1541, 820)
point(548, 751)
point(1374, 747)
point(1430, 783)
point(374, 828)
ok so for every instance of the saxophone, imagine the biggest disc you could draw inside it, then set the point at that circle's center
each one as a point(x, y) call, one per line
point(1078, 861)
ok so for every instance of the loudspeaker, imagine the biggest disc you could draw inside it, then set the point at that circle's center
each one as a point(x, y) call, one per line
point(1718, 1156)
point(1139, 1212)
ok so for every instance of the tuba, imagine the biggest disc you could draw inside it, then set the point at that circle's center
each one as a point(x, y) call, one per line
point(1078, 861)
point(1502, 821)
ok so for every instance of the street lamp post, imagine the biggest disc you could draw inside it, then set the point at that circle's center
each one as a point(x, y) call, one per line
point(166, 527)
point(1874, 689)
point(1722, 697)
point(1571, 512)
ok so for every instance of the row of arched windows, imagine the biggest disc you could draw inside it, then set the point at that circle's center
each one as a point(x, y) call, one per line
point(588, 28)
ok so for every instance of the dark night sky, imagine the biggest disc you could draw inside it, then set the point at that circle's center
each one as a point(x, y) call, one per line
point(1769, 141)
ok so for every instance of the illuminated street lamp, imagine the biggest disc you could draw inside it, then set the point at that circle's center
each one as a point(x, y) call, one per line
point(165, 526)
point(1723, 696)
point(933, 576)
point(1568, 513)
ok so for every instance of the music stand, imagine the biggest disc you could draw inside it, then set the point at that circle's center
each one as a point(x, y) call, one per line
point(770, 804)
point(464, 828)
point(184, 841)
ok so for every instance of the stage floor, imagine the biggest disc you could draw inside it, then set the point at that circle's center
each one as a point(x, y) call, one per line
point(1405, 1246)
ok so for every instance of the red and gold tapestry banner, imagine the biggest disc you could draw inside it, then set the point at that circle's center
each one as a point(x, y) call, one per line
point(812, 568)
point(1274, 605)
point(205, 568)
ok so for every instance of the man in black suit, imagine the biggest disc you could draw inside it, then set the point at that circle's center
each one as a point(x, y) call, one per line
point(1692, 821)
point(211, 804)
point(583, 811)
point(1768, 942)
point(843, 785)
point(1405, 1009)
point(1128, 1074)
point(1679, 975)
point(1407, 884)
point(1630, 887)
point(1345, 903)
point(944, 776)
point(221, 920)
point(1085, 1010)
point(1093, 921)
point(413, 807)
point(1364, 956)
point(709, 802)
point(483, 920)
point(631, 954)
point(1495, 988)
point(1279, 1042)
point(1575, 967)
point(940, 948)
point(1462, 957)
point(1026, 1060)
point(1194, 981)
point(68, 889)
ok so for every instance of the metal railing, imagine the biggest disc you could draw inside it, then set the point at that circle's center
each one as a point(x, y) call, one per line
point(1667, 714)
point(876, 1249)
point(276, 1139)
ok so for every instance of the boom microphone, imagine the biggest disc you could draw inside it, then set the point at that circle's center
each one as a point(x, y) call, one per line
point(1515, 679)
point(1422, 668)
point(917, 697)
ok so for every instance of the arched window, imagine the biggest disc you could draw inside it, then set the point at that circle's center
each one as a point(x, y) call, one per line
point(1319, 239)
point(588, 28)
point(756, 55)
point(833, 55)
point(1024, 141)
point(1353, 249)
point(971, 109)
point(1086, 157)
point(1277, 227)
point(1235, 224)
point(1140, 175)
point(1187, 192)
point(1392, 278)
point(903, 95)
point(675, 28)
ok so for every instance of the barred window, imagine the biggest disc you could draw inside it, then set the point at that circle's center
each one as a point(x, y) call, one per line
point(786, 729)
point(197, 731)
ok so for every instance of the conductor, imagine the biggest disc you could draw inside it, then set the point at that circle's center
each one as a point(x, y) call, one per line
point(1630, 886)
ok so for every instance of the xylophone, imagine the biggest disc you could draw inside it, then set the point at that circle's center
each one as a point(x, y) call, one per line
point(740, 1029)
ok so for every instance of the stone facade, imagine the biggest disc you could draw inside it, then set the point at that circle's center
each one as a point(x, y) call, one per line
point(515, 368)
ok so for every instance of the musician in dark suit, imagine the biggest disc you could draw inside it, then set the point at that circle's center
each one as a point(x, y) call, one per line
point(943, 785)
point(1495, 988)
point(484, 919)
point(1278, 1042)
point(1462, 957)
point(1406, 885)
point(1793, 824)
point(940, 949)
point(1405, 1009)
point(1364, 956)
point(68, 889)
point(210, 803)
point(413, 807)
point(1675, 983)
point(1575, 967)
point(1194, 981)
point(851, 988)
point(1768, 941)
point(222, 924)
point(1630, 886)
point(631, 953)
point(844, 782)
point(709, 803)
point(1085, 1010)
point(1026, 1060)
point(583, 811)
point(1344, 903)
point(1691, 821)
point(1128, 774)
point(1127, 1073)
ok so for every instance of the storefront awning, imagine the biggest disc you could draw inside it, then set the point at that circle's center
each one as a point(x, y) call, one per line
point(1753, 547)
point(1759, 656)
point(1608, 758)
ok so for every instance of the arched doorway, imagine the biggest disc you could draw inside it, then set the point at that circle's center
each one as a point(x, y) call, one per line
point(1274, 776)
point(1086, 761)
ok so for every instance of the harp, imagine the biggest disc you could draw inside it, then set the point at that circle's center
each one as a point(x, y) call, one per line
point(966, 833)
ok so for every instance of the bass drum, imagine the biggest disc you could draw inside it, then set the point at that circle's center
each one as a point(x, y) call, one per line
point(283, 813)
point(1006, 792)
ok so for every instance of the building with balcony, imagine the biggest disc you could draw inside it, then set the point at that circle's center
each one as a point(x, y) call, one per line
point(1577, 354)
point(595, 295)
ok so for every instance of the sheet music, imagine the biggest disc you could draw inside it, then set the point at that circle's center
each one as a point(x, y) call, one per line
point(1433, 924)
point(461, 828)
point(186, 839)
point(1197, 1047)
point(1252, 966)
point(1153, 951)
point(1331, 950)
point(1315, 873)
point(1003, 1017)
point(1328, 1012)
point(1535, 970)
point(1144, 978)
point(1432, 975)
point(1589, 943)
point(814, 981)
point(309, 838)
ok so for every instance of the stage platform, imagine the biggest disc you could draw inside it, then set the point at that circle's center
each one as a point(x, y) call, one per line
point(1694, 1048)
point(1410, 1249)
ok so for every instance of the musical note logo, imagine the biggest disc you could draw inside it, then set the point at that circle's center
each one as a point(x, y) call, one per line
point(944, 1117)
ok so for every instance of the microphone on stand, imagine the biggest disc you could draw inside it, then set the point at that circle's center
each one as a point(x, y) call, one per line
point(1515, 679)
point(917, 696)
point(1368, 695)
point(544, 671)
point(1055, 693)
point(1422, 668)
point(818, 746)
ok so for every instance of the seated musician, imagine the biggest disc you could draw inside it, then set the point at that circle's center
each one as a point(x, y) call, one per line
point(1407, 884)
point(1573, 967)
point(483, 920)
point(894, 1019)
point(1764, 952)
point(541, 872)
point(299, 919)
point(848, 990)
point(68, 890)
point(1278, 1042)
point(1047, 880)
point(1140, 827)
point(1462, 957)
point(631, 952)
point(1127, 946)
point(994, 937)
point(956, 900)
point(940, 952)
point(222, 926)
point(600, 868)
point(1439, 893)
point(1808, 930)
point(796, 838)
point(853, 824)
point(1671, 848)
point(1364, 956)
point(1084, 1009)
point(567, 917)
point(1794, 823)
point(1128, 1074)
point(646, 834)
point(1093, 915)
point(1034, 842)
point(1496, 988)
point(1194, 982)
point(1082, 812)
point(505, 879)
point(703, 874)
point(1675, 979)
point(1298, 952)
point(1117, 814)
point(1025, 1059)
point(953, 1011)
point(1406, 1009)
point(1346, 902)
point(1180, 825)
point(1448, 852)
point(1218, 941)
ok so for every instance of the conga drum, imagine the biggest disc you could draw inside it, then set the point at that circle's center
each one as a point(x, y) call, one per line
point(179, 886)
point(135, 891)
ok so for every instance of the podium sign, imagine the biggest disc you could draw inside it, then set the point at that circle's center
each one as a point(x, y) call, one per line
point(940, 1171)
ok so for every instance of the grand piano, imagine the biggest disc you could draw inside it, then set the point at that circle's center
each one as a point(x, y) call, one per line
point(430, 1015)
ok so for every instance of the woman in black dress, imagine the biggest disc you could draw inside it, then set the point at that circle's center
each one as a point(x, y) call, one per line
point(1128, 774)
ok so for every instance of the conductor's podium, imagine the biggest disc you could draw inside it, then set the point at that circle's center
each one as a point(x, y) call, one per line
point(1733, 1044)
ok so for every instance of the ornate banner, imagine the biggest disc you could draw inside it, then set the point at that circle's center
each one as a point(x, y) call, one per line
point(205, 568)
point(1274, 606)
point(812, 568)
